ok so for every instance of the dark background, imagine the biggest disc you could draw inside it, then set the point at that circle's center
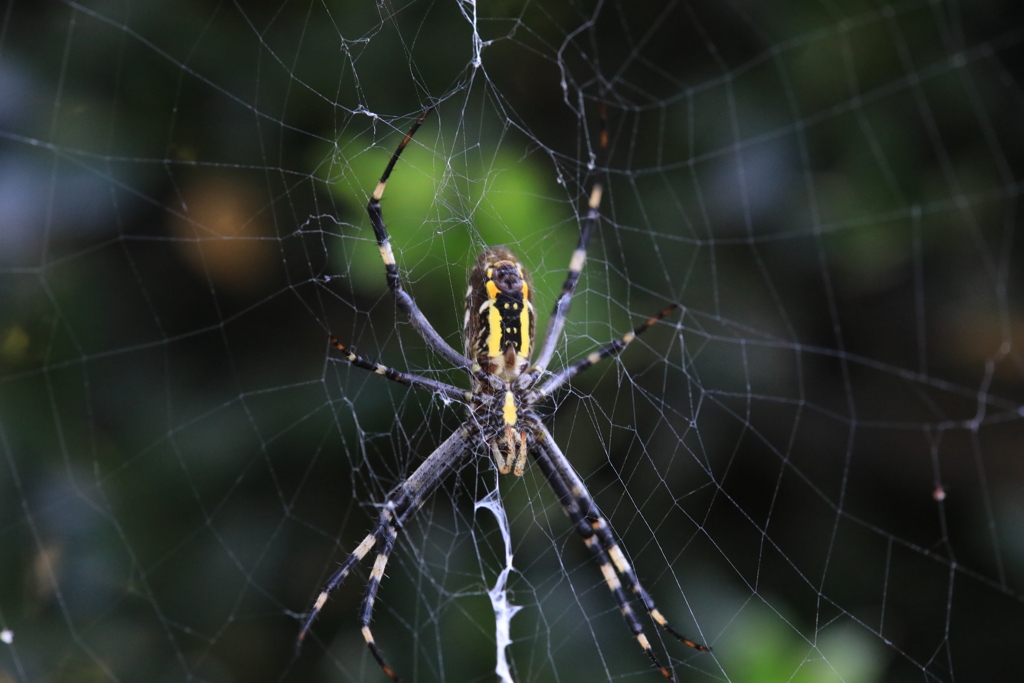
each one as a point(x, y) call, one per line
point(816, 468)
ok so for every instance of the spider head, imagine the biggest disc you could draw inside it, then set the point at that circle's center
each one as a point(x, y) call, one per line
point(496, 409)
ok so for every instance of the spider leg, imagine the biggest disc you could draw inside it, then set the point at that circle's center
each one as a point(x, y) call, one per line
point(401, 504)
point(589, 523)
point(409, 380)
point(403, 298)
point(339, 575)
point(561, 310)
point(613, 349)
point(366, 609)
point(579, 258)
point(626, 570)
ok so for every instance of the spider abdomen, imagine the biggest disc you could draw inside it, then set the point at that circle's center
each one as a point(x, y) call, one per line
point(500, 319)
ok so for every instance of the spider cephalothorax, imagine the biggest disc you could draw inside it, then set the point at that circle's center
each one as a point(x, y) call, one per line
point(499, 337)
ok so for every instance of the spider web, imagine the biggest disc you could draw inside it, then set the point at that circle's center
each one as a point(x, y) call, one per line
point(814, 467)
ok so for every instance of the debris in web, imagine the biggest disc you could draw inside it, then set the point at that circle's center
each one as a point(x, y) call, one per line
point(498, 593)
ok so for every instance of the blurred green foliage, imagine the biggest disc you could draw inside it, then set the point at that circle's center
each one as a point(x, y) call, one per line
point(814, 467)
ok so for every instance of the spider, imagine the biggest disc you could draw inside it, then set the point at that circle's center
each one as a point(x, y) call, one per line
point(498, 334)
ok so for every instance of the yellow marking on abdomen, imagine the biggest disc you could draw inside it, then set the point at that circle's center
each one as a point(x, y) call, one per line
point(493, 317)
point(524, 324)
point(493, 331)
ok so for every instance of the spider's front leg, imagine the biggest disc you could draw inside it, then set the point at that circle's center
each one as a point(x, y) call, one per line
point(401, 504)
point(589, 523)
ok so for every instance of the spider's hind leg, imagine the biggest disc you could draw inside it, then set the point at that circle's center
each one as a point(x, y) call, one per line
point(588, 226)
point(404, 300)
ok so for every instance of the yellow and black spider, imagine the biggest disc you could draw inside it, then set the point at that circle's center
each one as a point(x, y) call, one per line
point(499, 337)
